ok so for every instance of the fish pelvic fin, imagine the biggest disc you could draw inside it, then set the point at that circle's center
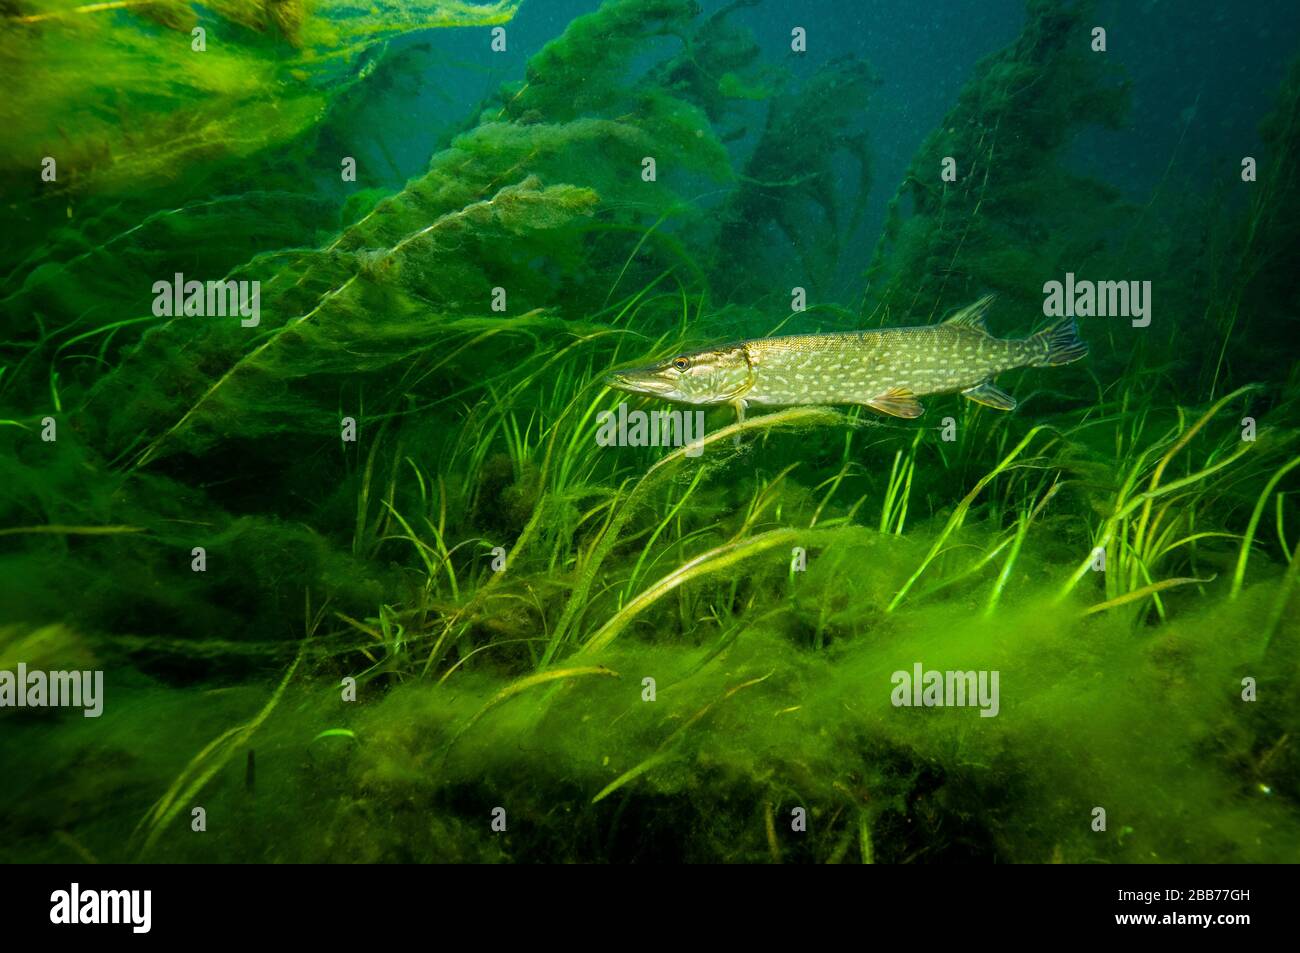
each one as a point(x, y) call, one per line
point(973, 315)
point(897, 402)
point(990, 395)
point(1058, 343)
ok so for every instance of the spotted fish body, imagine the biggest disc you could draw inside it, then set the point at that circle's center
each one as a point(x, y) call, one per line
point(886, 370)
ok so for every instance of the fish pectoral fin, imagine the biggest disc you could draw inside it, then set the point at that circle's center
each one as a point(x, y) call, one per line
point(739, 404)
point(990, 396)
point(898, 402)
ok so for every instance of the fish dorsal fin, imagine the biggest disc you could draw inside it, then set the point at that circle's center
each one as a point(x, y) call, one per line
point(973, 315)
point(898, 402)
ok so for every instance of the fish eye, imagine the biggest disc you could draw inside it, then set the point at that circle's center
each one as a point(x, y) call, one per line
point(681, 363)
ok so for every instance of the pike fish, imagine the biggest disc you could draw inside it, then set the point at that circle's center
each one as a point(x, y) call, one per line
point(886, 370)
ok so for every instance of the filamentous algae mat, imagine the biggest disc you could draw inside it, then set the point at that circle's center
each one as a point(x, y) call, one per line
point(649, 430)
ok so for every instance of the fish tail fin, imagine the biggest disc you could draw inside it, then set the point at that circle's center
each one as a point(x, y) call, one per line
point(1058, 343)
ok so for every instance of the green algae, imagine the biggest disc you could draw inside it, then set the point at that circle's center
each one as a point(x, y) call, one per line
point(524, 689)
point(1149, 729)
point(270, 70)
point(790, 181)
point(990, 227)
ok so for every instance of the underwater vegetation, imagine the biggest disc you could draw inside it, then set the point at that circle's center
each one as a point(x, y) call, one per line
point(367, 584)
point(115, 90)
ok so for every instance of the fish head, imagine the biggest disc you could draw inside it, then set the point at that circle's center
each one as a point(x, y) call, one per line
point(714, 376)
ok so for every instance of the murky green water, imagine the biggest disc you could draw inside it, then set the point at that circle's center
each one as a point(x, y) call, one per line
point(310, 467)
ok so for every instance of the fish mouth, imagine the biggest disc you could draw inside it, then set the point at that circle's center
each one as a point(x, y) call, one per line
point(639, 382)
